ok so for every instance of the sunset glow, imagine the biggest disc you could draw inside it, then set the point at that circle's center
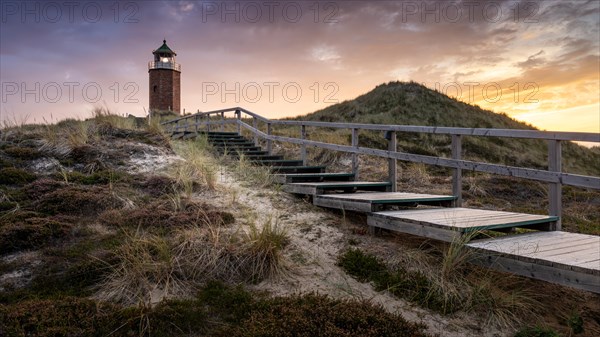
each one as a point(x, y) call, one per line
point(537, 61)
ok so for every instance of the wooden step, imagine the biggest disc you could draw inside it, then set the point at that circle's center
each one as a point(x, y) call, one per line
point(248, 153)
point(316, 188)
point(448, 224)
point(262, 158)
point(237, 149)
point(570, 259)
point(233, 145)
point(312, 177)
point(230, 141)
point(218, 133)
point(373, 202)
point(223, 137)
point(280, 162)
point(298, 169)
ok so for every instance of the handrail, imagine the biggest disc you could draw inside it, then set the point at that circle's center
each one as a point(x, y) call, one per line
point(553, 176)
point(513, 171)
point(439, 130)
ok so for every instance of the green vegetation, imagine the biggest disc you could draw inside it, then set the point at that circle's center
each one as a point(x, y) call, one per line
point(217, 310)
point(464, 288)
point(412, 285)
point(15, 176)
point(410, 103)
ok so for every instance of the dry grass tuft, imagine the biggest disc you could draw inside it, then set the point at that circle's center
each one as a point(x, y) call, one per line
point(252, 174)
point(145, 273)
point(197, 168)
point(264, 246)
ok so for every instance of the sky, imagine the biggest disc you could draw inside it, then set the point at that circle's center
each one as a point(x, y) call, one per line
point(537, 61)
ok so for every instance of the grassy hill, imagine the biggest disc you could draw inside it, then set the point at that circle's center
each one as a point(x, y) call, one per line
point(409, 103)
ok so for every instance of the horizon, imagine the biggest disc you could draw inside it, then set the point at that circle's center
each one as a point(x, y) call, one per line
point(536, 61)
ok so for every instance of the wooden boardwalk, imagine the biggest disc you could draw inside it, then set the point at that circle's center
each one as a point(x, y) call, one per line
point(316, 188)
point(373, 202)
point(448, 224)
point(566, 258)
point(559, 257)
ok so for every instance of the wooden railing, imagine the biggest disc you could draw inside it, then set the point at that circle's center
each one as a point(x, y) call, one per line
point(553, 176)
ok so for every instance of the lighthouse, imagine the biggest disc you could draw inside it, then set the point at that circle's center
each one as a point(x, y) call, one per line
point(165, 80)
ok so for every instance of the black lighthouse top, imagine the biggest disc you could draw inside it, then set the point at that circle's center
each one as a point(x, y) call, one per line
point(164, 50)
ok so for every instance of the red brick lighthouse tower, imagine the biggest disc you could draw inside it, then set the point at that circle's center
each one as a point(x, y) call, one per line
point(165, 80)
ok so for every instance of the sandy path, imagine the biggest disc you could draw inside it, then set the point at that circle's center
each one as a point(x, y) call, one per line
point(316, 239)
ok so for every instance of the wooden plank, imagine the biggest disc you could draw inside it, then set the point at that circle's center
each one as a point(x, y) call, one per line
point(555, 189)
point(298, 169)
point(314, 188)
point(441, 234)
point(537, 240)
point(571, 278)
point(383, 197)
point(457, 172)
point(482, 132)
point(535, 248)
point(565, 247)
point(463, 219)
point(346, 205)
point(446, 216)
point(393, 163)
point(593, 264)
point(372, 202)
point(312, 177)
point(524, 239)
point(576, 250)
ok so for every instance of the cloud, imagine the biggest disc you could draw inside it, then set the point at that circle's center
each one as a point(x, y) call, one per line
point(325, 53)
point(352, 43)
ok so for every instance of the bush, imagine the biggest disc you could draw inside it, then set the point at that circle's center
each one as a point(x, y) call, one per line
point(412, 285)
point(160, 215)
point(96, 178)
point(15, 176)
point(316, 315)
point(65, 317)
point(157, 186)
point(22, 152)
point(31, 233)
point(41, 187)
point(76, 200)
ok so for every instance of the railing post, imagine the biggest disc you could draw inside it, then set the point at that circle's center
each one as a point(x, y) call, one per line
point(457, 172)
point(555, 191)
point(222, 121)
point(269, 141)
point(392, 162)
point(303, 148)
point(238, 116)
point(196, 119)
point(355, 155)
point(255, 125)
point(207, 123)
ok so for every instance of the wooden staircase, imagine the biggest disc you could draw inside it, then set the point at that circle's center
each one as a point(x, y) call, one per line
point(564, 258)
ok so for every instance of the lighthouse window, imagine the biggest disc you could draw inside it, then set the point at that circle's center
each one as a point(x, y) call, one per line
point(154, 88)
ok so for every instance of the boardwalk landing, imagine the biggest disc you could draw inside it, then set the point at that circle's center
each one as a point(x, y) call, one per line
point(373, 202)
point(449, 224)
point(566, 258)
point(559, 257)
